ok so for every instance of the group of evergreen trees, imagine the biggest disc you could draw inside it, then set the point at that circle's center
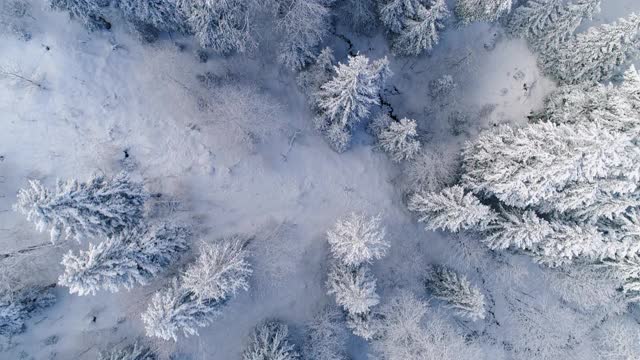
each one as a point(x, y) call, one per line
point(597, 54)
point(564, 188)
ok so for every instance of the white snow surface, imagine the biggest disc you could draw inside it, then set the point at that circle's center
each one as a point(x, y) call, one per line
point(244, 158)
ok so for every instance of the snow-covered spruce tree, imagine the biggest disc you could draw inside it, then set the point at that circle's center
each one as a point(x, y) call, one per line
point(400, 140)
point(548, 23)
point(269, 342)
point(124, 260)
point(99, 207)
point(88, 12)
point(563, 26)
point(453, 209)
point(318, 73)
point(404, 335)
point(532, 18)
point(17, 307)
point(162, 15)
point(465, 299)
point(469, 11)
point(347, 98)
point(220, 271)
point(175, 309)
point(223, 26)
point(129, 352)
point(560, 159)
point(326, 336)
point(353, 288)
point(303, 24)
point(595, 55)
point(616, 107)
point(357, 239)
point(421, 31)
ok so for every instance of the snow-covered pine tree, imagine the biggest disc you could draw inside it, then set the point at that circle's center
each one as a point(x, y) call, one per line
point(269, 341)
point(469, 11)
point(303, 24)
point(559, 158)
point(452, 210)
point(162, 15)
point(616, 107)
point(89, 12)
point(99, 207)
point(124, 260)
point(220, 271)
point(400, 140)
point(134, 351)
point(532, 18)
point(347, 98)
point(18, 306)
point(175, 309)
point(420, 30)
point(224, 26)
point(326, 336)
point(357, 239)
point(353, 288)
point(465, 299)
point(595, 55)
point(563, 25)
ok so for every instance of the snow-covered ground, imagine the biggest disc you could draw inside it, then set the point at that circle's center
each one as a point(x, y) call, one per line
point(243, 157)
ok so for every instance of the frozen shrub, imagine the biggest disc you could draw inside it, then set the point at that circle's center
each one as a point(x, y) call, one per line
point(326, 336)
point(129, 352)
point(433, 169)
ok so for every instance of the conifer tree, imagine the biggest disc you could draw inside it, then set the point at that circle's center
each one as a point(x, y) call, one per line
point(360, 14)
point(516, 229)
point(303, 24)
point(99, 207)
point(269, 341)
point(347, 98)
point(400, 140)
point(224, 26)
point(465, 299)
point(126, 259)
point(558, 157)
point(469, 11)
point(452, 210)
point(220, 271)
point(531, 19)
point(175, 309)
point(415, 23)
point(597, 54)
point(353, 288)
point(356, 239)
point(563, 25)
point(318, 73)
